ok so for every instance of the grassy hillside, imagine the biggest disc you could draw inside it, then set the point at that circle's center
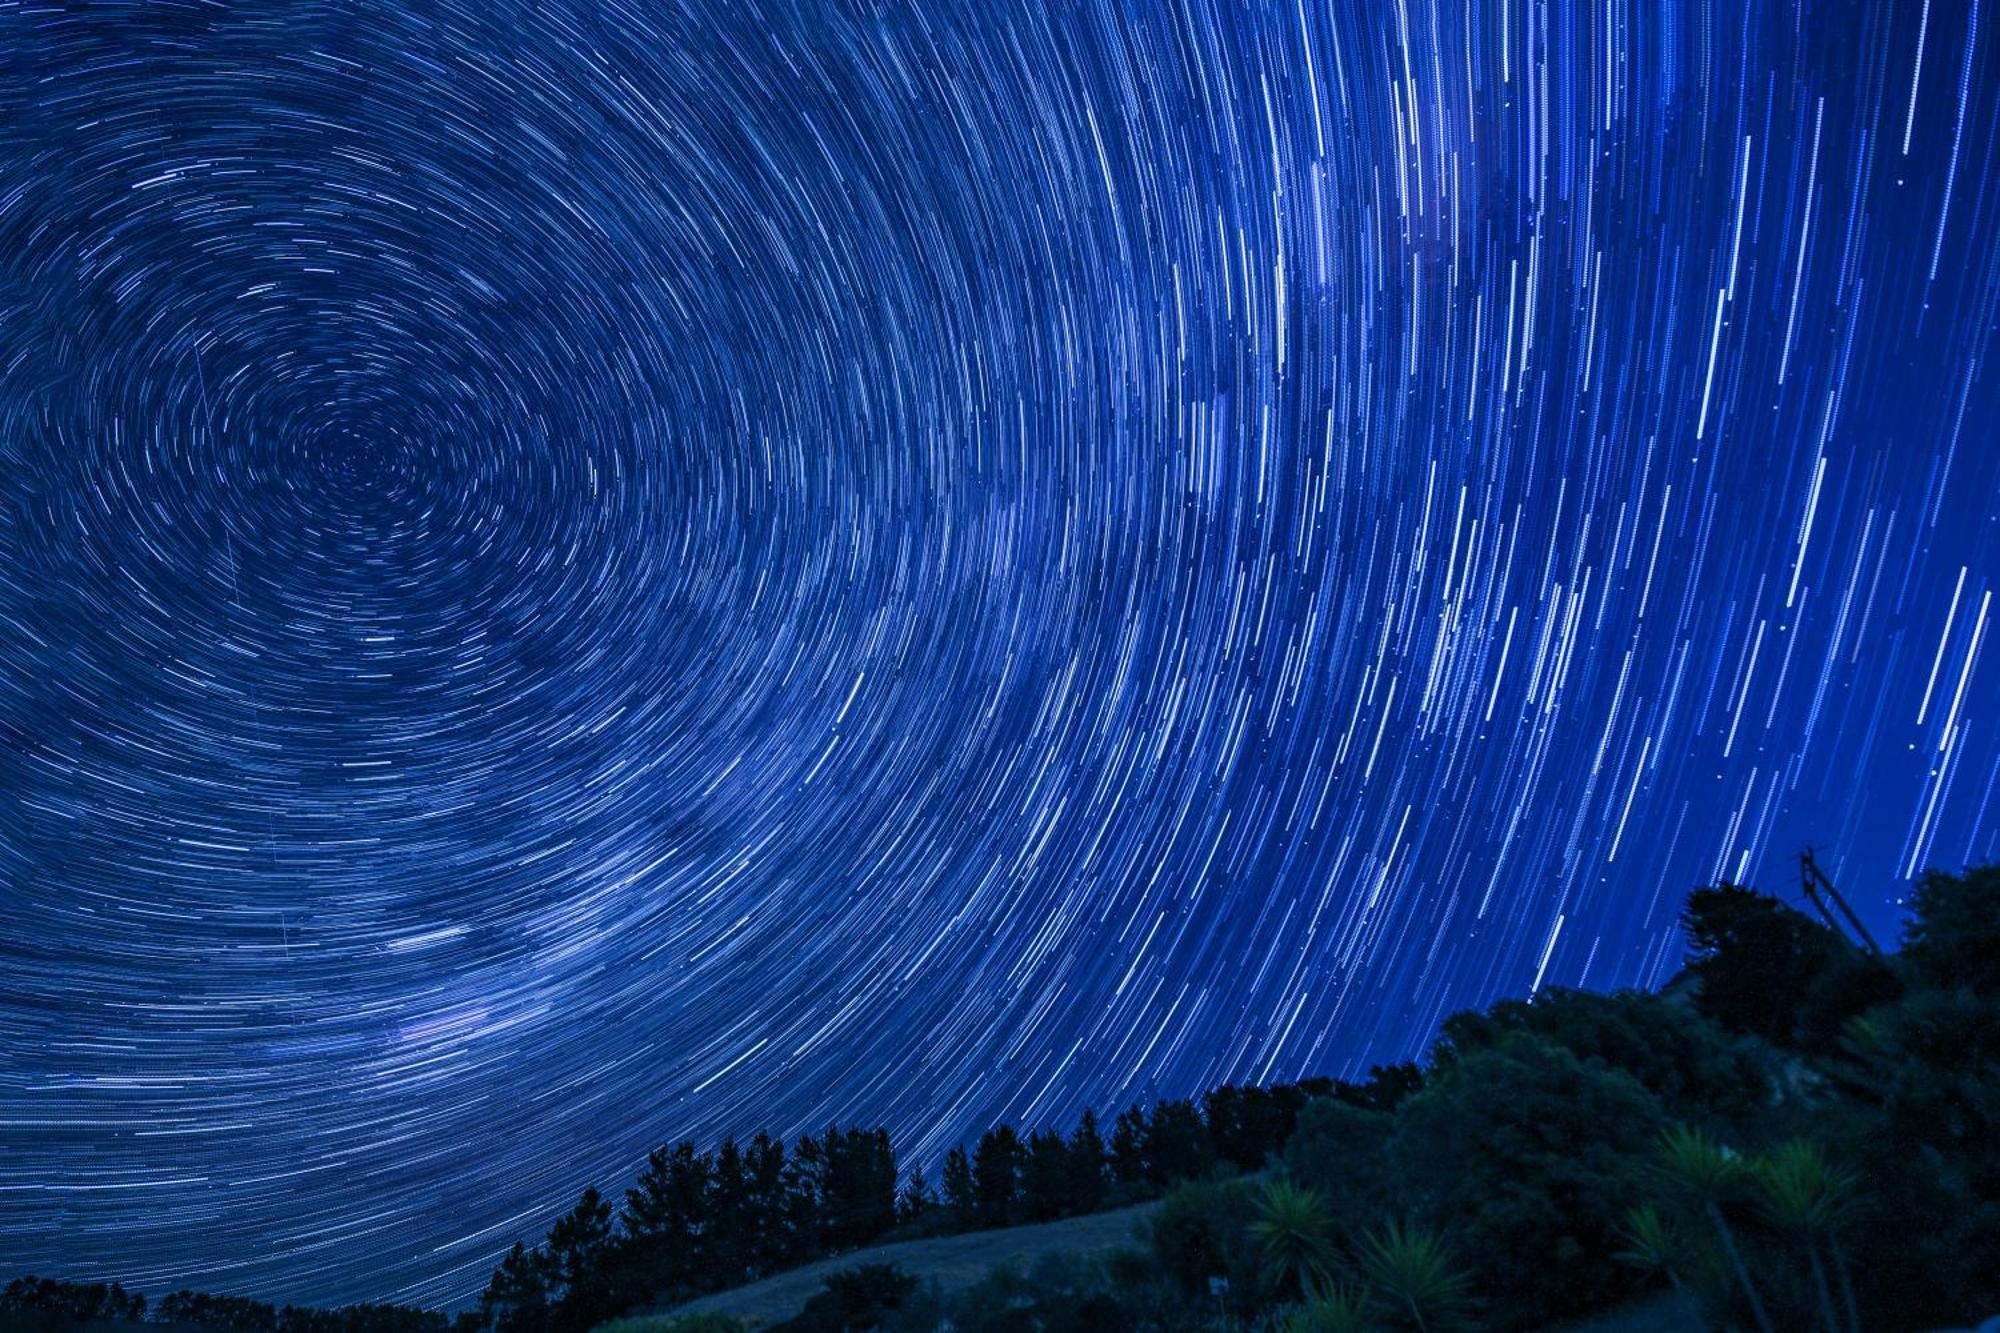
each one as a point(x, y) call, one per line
point(952, 1262)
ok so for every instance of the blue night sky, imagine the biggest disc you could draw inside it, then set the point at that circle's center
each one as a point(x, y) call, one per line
point(582, 573)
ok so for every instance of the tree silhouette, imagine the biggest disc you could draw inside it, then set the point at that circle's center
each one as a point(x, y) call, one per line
point(576, 1265)
point(517, 1298)
point(805, 1198)
point(578, 1240)
point(1296, 1237)
point(1812, 1200)
point(996, 1176)
point(861, 1180)
point(1045, 1177)
point(1386, 1088)
point(1087, 1164)
point(1176, 1145)
point(1756, 961)
point(71, 1302)
point(664, 1214)
point(772, 1243)
point(1523, 1110)
point(727, 1253)
point(1247, 1125)
point(1707, 1176)
point(917, 1198)
point(1410, 1274)
point(960, 1193)
point(1128, 1147)
point(1653, 1246)
point(1954, 940)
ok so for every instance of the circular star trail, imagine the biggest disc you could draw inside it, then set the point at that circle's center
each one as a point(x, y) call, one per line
point(579, 574)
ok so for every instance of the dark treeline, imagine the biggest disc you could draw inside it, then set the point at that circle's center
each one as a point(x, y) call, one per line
point(700, 1221)
point(53, 1303)
point(696, 1222)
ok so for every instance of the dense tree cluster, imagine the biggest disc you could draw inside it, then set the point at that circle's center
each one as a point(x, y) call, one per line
point(697, 1221)
point(54, 1303)
point(57, 1301)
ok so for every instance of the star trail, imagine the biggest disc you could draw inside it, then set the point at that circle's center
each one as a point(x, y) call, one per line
point(578, 574)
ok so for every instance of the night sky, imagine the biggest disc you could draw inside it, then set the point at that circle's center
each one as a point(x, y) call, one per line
point(581, 573)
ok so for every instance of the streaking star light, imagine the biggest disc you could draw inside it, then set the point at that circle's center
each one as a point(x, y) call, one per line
point(581, 574)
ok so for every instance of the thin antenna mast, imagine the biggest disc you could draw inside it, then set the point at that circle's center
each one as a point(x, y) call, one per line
point(1814, 881)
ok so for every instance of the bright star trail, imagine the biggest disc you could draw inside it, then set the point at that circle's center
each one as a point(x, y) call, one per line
point(578, 574)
